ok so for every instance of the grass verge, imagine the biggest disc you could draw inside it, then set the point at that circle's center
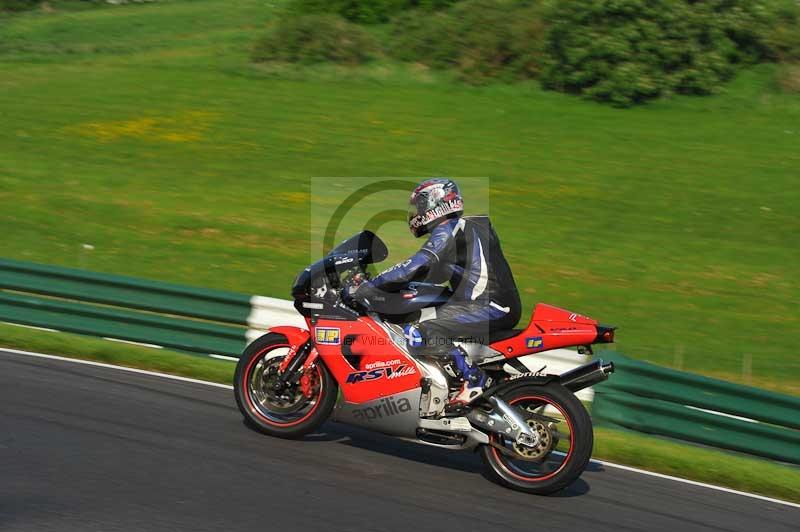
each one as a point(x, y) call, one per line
point(702, 464)
point(624, 447)
point(134, 356)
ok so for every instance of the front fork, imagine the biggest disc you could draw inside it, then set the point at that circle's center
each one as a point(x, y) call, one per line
point(294, 365)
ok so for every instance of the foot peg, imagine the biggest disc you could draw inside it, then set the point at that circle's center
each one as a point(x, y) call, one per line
point(455, 410)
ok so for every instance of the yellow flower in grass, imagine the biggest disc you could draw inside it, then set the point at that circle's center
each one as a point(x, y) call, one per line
point(186, 127)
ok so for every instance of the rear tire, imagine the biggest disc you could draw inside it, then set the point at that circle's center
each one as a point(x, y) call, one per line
point(568, 455)
point(291, 414)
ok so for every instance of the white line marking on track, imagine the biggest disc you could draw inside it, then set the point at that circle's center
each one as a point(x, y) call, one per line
point(695, 483)
point(223, 357)
point(120, 368)
point(229, 387)
point(154, 346)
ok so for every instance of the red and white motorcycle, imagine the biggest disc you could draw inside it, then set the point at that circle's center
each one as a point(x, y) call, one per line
point(533, 434)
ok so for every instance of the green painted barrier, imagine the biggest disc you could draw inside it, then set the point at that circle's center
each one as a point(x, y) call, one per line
point(176, 333)
point(128, 292)
point(677, 421)
point(648, 398)
point(648, 380)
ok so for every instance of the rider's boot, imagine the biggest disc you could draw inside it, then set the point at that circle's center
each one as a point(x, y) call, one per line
point(474, 379)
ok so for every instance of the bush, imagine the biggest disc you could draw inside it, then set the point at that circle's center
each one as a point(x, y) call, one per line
point(789, 78)
point(18, 5)
point(482, 39)
point(627, 51)
point(783, 36)
point(314, 39)
point(365, 11)
point(618, 51)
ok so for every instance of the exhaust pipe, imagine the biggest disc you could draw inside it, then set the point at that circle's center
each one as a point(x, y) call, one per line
point(586, 375)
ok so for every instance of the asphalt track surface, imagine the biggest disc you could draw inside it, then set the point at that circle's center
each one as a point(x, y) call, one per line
point(88, 448)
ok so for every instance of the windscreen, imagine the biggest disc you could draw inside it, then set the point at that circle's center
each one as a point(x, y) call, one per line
point(365, 246)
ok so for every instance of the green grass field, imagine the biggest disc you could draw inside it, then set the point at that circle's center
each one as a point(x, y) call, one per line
point(143, 131)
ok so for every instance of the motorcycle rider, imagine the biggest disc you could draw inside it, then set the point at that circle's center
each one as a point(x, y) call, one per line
point(464, 251)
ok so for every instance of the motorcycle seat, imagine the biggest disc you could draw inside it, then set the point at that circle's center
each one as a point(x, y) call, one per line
point(503, 334)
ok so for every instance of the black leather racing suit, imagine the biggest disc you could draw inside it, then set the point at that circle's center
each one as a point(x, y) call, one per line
point(466, 253)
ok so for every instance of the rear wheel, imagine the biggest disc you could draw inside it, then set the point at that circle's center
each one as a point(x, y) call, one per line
point(562, 448)
point(289, 412)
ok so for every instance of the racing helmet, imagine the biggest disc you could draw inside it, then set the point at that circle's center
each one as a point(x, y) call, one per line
point(433, 201)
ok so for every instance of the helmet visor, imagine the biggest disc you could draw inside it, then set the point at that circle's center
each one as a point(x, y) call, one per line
point(414, 220)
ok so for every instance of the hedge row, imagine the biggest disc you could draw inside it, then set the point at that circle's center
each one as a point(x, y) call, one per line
point(366, 11)
point(482, 40)
point(13, 6)
point(627, 51)
point(316, 38)
point(18, 5)
point(619, 51)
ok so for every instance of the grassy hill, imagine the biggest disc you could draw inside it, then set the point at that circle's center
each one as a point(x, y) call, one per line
point(143, 131)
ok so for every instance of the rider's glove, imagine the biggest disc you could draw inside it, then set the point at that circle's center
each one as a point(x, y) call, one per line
point(348, 293)
point(358, 297)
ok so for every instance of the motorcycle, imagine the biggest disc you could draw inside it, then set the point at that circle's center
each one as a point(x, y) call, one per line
point(352, 365)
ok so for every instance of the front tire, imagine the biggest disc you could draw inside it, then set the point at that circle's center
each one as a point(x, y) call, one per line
point(292, 413)
point(563, 449)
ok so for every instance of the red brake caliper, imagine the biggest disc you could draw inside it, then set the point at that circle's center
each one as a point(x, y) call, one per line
point(307, 382)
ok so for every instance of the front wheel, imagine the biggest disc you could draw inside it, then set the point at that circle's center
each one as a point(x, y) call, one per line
point(287, 412)
point(562, 449)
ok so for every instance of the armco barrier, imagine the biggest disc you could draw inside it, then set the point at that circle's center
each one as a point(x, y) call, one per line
point(126, 292)
point(87, 291)
point(648, 398)
point(132, 326)
point(639, 396)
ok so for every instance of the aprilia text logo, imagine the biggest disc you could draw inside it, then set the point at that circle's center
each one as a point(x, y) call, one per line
point(387, 407)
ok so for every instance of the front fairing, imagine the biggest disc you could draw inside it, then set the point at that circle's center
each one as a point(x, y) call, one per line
point(359, 250)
